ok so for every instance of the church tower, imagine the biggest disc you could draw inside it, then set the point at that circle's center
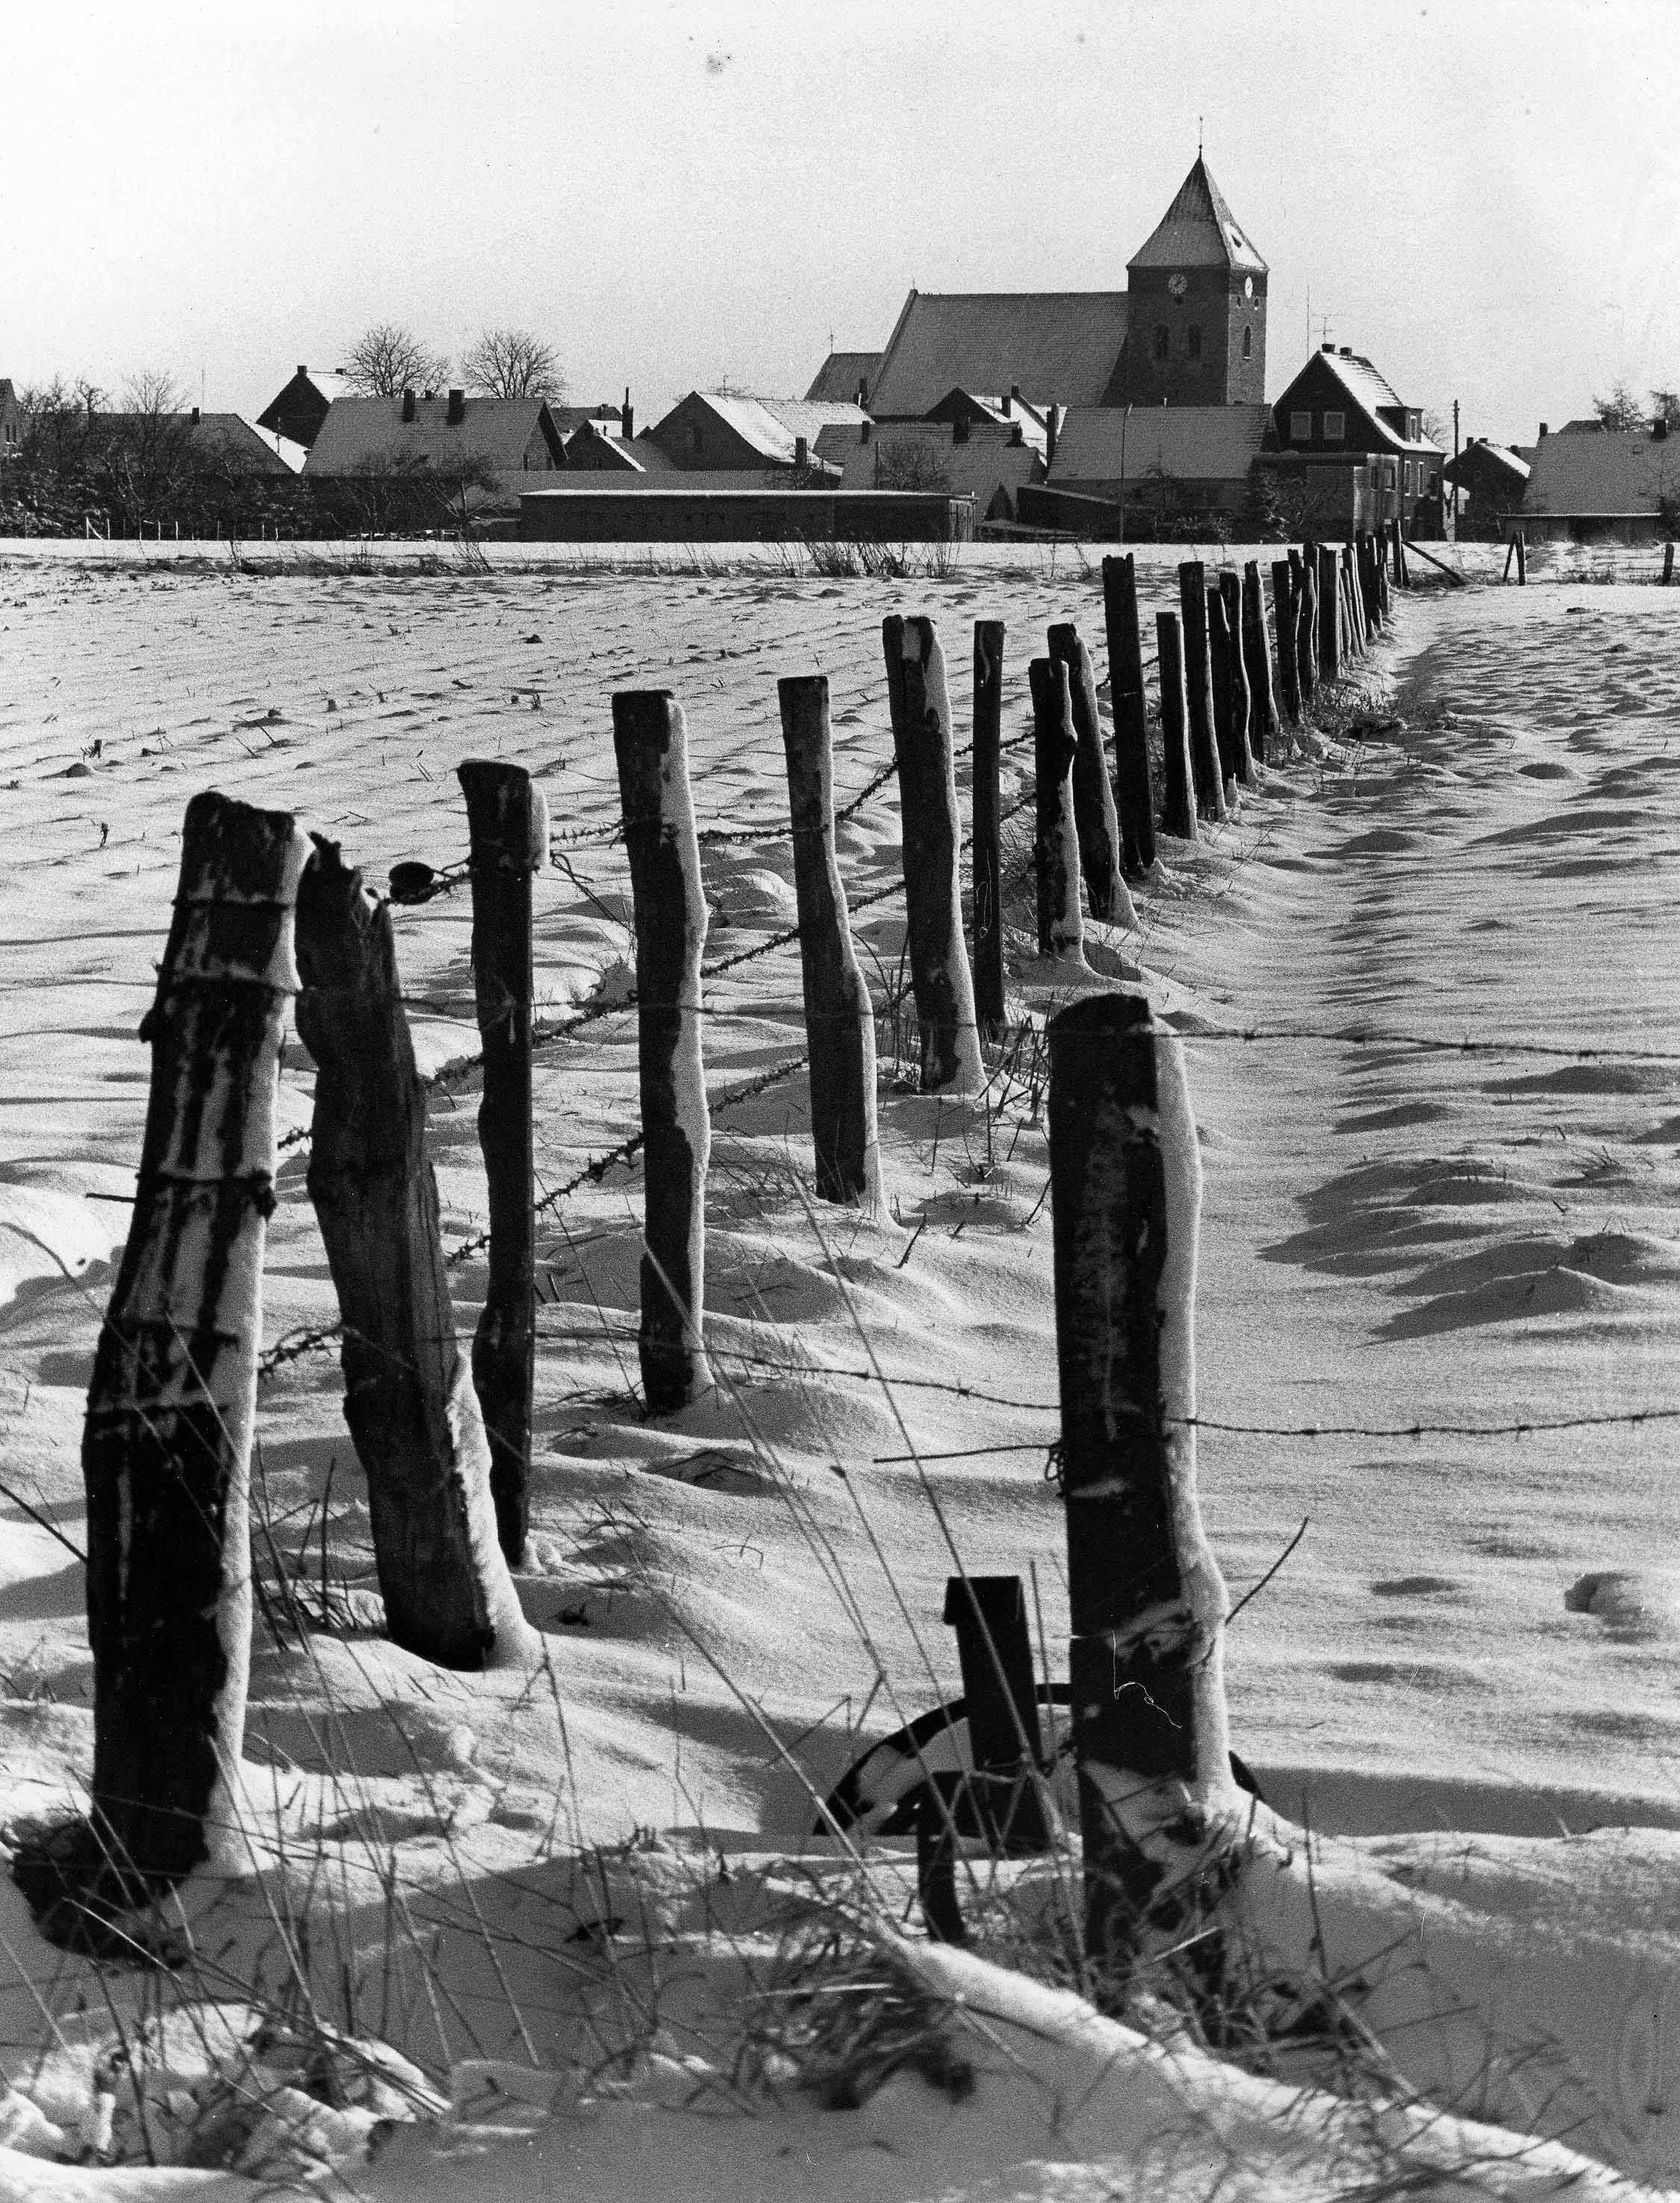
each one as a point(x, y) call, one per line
point(1196, 311)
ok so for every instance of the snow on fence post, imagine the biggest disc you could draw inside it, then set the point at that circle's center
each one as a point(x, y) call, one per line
point(650, 739)
point(1178, 813)
point(1285, 612)
point(413, 1414)
point(1219, 668)
point(507, 825)
point(1101, 856)
point(1354, 603)
point(1256, 662)
point(1306, 629)
point(989, 871)
point(839, 1016)
point(1061, 925)
point(1135, 795)
point(1204, 760)
point(920, 703)
point(165, 1447)
point(1329, 614)
point(1146, 1601)
point(1231, 591)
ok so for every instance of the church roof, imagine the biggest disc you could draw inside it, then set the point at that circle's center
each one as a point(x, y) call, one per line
point(1198, 230)
point(838, 377)
point(1060, 344)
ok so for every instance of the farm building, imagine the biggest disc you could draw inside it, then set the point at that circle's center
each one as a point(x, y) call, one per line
point(507, 435)
point(686, 507)
point(1351, 453)
point(846, 378)
point(1492, 480)
point(297, 411)
point(988, 462)
point(719, 431)
point(1590, 484)
point(1170, 465)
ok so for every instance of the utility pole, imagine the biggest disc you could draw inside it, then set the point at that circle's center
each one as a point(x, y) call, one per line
point(1455, 470)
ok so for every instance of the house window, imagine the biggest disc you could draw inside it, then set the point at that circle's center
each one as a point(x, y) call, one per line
point(1411, 426)
point(1192, 340)
point(1405, 477)
point(1248, 344)
point(1163, 340)
point(1335, 427)
point(1388, 474)
point(1301, 428)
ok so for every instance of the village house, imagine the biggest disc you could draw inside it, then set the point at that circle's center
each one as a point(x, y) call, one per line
point(297, 411)
point(1590, 484)
point(987, 460)
point(1351, 454)
point(416, 430)
point(223, 442)
point(1170, 468)
point(14, 423)
point(1491, 480)
point(724, 432)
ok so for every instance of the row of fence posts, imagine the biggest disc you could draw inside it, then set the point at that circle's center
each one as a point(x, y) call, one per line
point(265, 911)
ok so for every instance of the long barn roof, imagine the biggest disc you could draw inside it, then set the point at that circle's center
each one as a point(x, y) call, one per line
point(1060, 344)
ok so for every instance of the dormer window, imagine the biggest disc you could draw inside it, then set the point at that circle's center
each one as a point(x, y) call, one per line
point(1335, 427)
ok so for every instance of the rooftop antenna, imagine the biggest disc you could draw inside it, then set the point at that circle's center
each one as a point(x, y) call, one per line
point(1324, 329)
point(1199, 137)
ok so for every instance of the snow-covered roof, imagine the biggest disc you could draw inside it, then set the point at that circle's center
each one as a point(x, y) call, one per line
point(359, 431)
point(1189, 443)
point(1198, 230)
point(1050, 345)
point(1602, 472)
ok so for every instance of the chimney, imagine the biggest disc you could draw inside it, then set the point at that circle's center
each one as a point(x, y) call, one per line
point(629, 423)
point(1542, 432)
point(302, 368)
point(1013, 398)
point(863, 432)
point(1015, 437)
point(801, 453)
point(408, 404)
point(1659, 431)
point(457, 408)
point(862, 392)
point(1326, 347)
point(1347, 352)
point(1052, 428)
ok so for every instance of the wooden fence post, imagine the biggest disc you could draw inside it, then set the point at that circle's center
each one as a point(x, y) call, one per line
point(414, 1415)
point(1329, 614)
point(1204, 759)
point(1219, 674)
point(1230, 593)
point(507, 827)
point(920, 702)
point(988, 915)
point(1522, 559)
point(1178, 811)
point(1147, 1603)
point(1100, 851)
point(1668, 566)
point(1061, 928)
point(165, 1447)
point(1284, 610)
point(1257, 663)
point(1001, 1700)
point(1136, 798)
point(839, 1016)
point(1307, 629)
point(650, 738)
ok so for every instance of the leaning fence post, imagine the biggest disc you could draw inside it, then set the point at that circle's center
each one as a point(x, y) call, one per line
point(166, 1447)
point(920, 703)
point(1256, 654)
point(1284, 610)
point(650, 738)
point(1061, 925)
point(839, 1016)
point(1147, 1602)
point(1100, 851)
point(1178, 813)
point(507, 826)
point(1230, 593)
point(1204, 759)
point(988, 915)
point(1329, 614)
point(1135, 796)
point(414, 1415)
point(1219, 667)
point(1307, 629)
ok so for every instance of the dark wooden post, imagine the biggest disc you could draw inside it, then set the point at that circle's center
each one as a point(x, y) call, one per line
point(1230, 592)
point(1329, 614)
point(1257, 663)
point(1284, 610)
point(1136, 797)
point(650, 737)
point(1307, 629)
point(166, 1447)
point(1000, 1701)
point(413, 1415)
point(1219, 668)
point(1100, 851)
point(920, 703)
point(1204, 756)
point(1061, 930)
point(1668, 566)
point(1146, 1603)
point(839, 1016)
point(1178, 813)
point(1359, 616)
point(988, 915)
point(507, 827)
point(1522, 560)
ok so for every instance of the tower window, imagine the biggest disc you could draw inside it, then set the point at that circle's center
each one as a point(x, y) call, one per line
point(1192, 340)
point(1248, 344)
point(1163, 341)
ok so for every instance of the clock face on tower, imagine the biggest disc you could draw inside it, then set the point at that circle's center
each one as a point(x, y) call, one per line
point(1178, 285)
point(1248, 286)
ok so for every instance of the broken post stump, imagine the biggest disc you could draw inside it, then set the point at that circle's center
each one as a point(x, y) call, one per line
point(1135, 797)
point(1256, 663)
point(165, 1446)
point(1000, 1703)
point(507, 826)
point(839, 1016)
point(650, 738)
point(1285, 615)
point(1178, 810)
point(1061, 924)
point(989, 871)
point(920, 702)
point(1100, 857)
point(1230, 592)
point(1147, 1602)
point(1204, 759)
point(413, 1414)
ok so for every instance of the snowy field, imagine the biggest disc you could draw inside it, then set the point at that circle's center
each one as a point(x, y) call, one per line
point(1425, 982)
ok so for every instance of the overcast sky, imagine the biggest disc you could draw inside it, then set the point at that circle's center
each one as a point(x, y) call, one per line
point(1483, 195)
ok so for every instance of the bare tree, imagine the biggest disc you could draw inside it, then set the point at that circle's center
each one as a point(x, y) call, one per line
point(389, 358)
point(1620, 410)
point(912, 462)
point(515, 364)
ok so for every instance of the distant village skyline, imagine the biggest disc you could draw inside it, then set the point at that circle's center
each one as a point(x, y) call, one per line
point(1485, 201)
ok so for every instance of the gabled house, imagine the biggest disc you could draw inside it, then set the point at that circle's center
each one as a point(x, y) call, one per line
point(223, 441)
point(961, 408)
point(297, 411)
point(1592, 484)
point(1164, 464)
point(1356, 452)
point(1051, 346)
point(412, 431)
point(846, 378)
point(1492, 478)
point(719, 431)
point(989, 462)
point(601, 447)
point(12, 421)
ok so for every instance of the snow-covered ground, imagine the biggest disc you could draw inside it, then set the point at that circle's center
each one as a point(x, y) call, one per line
point(1469, 1660)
